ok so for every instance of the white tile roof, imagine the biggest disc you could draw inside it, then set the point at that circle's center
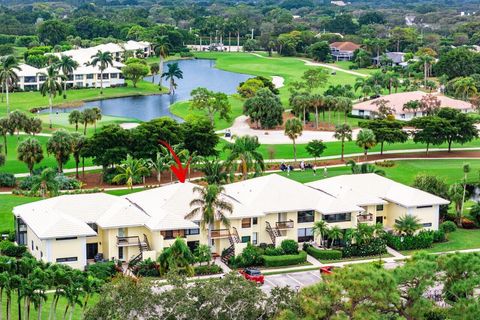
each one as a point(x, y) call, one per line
point(364, 189)
point(27, 70)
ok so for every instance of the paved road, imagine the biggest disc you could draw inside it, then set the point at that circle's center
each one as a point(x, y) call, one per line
point(294, 280)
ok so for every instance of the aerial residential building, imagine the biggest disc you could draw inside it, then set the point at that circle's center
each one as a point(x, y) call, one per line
point(397, 101)
point(393, 58)
point(343, 50)
point(73, 229)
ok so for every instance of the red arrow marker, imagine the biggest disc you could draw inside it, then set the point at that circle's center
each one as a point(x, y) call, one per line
point(179, 171)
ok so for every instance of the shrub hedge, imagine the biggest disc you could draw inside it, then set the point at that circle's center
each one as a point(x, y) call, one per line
point(7, 180)
point(207, 269)
point(289, 246)
point(422, 240)
point(324, 254)
point(285, 260)
point(102, 270)
point(375, 247)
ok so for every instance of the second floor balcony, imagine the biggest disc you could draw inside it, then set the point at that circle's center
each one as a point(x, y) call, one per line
point(281, 225)
point(365, 217)
point(220, 233)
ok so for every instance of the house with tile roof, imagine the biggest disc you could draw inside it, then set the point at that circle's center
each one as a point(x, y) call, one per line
point(343, 50)
point(73, 229)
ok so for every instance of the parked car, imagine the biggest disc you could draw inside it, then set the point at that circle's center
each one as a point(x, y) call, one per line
point(327, 269)
point(253, 275)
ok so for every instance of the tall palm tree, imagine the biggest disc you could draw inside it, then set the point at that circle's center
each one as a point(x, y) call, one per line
point(343, 132)
point(244, 151)
point(30, 151)
point(89, 116)
point(75, 117)
point(161, 47)
point(67, 65)
point(210, 207)
point(335, 233)
point(366, 140)
point(154, 70)
point(51, 87)
point(214, 171)
point(60, 145)
point(78, 142)
point(407, 225)
point(173, 72)
point(320, 229)
point(4, 130)
point(8, 75)
point(465, 87)
point(317, 101)
point(364, 85)
point(160, 164)
point(103, 60)
point(293, 130)
point(426, 60)
point(466, 171)
point(45, 183)
point(97, 117)
point(131, 169)
point(344, 105)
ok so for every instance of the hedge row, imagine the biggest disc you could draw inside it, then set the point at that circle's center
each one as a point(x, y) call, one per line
point(424, 239)
point(285, 260)
point(374, 247)
point(324, 254)
point(207, 269)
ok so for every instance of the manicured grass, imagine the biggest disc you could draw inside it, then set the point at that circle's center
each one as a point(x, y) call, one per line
point(383, 256)
point(459, 240)
point(7, 203)
point(285, 151)
point(26, 101)
point(346, 66)
point(12, 165)
point(77, 314)
point(404, 171)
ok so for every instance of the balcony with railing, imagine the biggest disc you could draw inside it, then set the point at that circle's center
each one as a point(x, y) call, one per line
point(220, 233)
point(281, 225)
point(128, 241)
point(365, 217)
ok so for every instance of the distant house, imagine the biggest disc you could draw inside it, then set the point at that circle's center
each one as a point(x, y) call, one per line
point(338, 3)
point(343, 50)
point(396, 101)
point(396, 58)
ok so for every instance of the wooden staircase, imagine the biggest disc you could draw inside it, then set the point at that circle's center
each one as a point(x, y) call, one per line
point(273, 232)
point(230, 252)
point(142, 246)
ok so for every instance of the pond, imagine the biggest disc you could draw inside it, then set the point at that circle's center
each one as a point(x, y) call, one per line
point(196, 73)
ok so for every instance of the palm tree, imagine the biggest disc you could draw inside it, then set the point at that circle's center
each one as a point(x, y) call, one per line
point(75, 117)
point(210, 207)
point(320, 229)
point(466, 171)
point(407, 225)
point(161, 47)
point(172, 73)
point(103, 59)
point(343, 132)
point(4, 130)
point(45, 183)
point(426, 60)
point(72, 292)
point(244, 151)
point(51, 87)
point(364, 168)
point(154, 69)
point(214, 171)
point(293, 130)
point(90, 285)
point(97, 116)
point(335, 233)
point(89, 116)
point(67, 65)
point(345, 106)
point(130, 170)
point(160, 163)
point(8, 75)
point(317, 101)
point(455, 193)
point(364, 86)
point(177, 257)
point(78, 142)
point(465, 87)
point(60, 145)
point(366, 140)
point(30, 151)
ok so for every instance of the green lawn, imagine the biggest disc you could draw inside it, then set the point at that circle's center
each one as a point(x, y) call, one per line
point(123, 192)
point(404, 171)
point(77, 314)
point(7, 203)
point(459, 240)
point(26, 101)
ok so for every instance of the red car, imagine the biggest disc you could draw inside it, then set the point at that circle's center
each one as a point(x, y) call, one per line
point(327, 269)
point(253, 275)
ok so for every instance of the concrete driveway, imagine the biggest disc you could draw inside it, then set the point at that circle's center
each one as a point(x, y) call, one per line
point(294, 280)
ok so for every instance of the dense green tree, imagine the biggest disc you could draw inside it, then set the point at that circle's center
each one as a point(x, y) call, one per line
point(389, 131)
point(108, 146)
point(52, 32)
point(212, 103)
point(434, 185)
point(320, 51)
point(135, 72)
point(459, 62)
point(458, 127)
point(315, 148)
point(371, 17)
point(265, 109)
point(200, 137)
point(428, 131)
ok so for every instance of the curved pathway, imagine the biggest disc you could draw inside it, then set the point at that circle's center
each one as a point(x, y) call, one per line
point(329, 66)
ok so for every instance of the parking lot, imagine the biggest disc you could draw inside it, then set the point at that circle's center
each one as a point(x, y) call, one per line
point(294, 280)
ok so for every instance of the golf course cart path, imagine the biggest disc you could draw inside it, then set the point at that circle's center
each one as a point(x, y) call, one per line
point(324, 65)
point(241, 127)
